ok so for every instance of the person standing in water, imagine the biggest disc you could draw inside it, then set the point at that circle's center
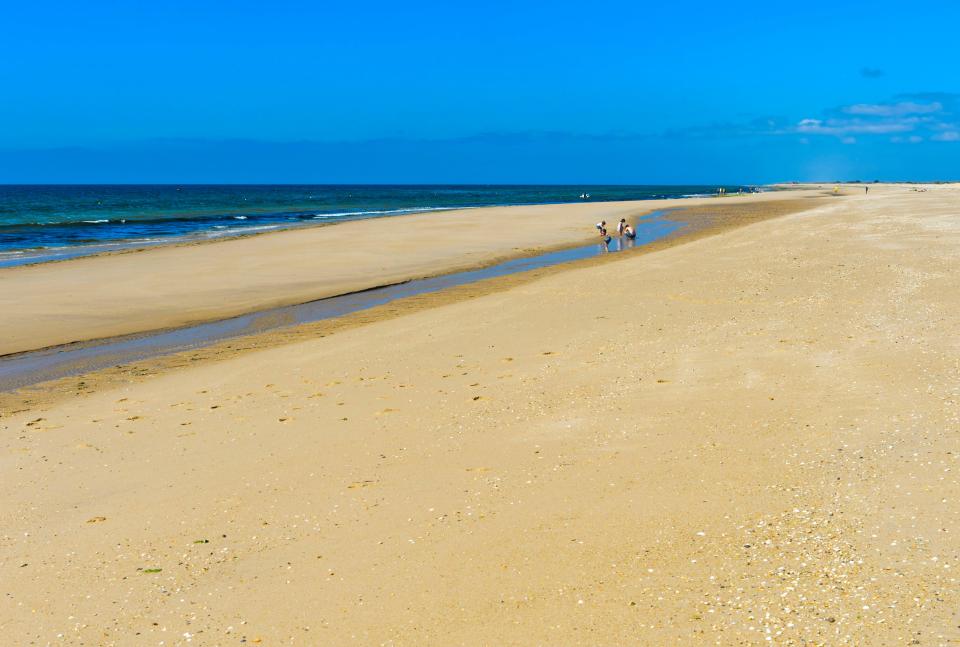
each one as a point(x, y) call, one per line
point(604, 237)
point(621, 226)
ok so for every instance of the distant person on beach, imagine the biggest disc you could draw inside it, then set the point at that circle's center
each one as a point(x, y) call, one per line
point(866, 190)
point(602, 227)
point(621, 226)
point(629, 232)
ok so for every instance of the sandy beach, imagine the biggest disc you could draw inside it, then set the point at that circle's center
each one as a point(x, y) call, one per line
point(749, 437)
point(152, 289)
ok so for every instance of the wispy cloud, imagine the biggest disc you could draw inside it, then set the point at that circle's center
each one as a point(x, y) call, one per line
point(899, 109)
point(843, 127)
point(907, 118)
point(912, 139)
point(947, 136)
point(921, 114)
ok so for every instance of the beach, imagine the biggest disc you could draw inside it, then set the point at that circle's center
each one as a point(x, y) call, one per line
point(743, 436)
point(156, 288)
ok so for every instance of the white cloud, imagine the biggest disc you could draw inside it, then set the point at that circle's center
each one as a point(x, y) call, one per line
point(905, 119)
point(855, 126)
point(947, 136)
point(897, 118)
point(899, 109)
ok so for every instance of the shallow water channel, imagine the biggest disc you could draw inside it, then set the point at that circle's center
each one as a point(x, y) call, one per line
point(32, 367)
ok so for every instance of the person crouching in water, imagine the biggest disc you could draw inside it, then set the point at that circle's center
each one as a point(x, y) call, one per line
point(629, 232)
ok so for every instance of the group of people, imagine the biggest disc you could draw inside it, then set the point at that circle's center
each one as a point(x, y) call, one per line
point(623, 229)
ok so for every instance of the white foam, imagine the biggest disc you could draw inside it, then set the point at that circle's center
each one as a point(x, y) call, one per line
point(344, 214)
point(235, 231)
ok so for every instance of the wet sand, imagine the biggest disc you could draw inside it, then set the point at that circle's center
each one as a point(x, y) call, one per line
point(748, 438)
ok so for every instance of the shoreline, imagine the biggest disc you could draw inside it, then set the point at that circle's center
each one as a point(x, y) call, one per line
point(521, 254)
point(186, 241)
point(135, 291)
point(696, 223)
point(177, 241)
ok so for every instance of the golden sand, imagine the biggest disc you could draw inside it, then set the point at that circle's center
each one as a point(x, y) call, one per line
point(749, 438)
point(151, 289)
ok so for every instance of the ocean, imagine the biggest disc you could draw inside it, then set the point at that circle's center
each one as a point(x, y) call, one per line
point(50, 222)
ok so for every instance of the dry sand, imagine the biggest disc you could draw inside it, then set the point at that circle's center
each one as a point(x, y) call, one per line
point(751, 438)
point(151, 289)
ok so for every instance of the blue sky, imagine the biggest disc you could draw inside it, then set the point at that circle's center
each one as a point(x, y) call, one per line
point(607, 91)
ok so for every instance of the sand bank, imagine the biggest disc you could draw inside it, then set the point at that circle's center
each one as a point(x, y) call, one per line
point(749, 436)
point(116, 294)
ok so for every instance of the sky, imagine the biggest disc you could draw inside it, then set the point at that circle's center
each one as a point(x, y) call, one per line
point(608, 91)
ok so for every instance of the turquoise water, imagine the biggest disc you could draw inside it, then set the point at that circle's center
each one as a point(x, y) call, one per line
point(41, 223)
